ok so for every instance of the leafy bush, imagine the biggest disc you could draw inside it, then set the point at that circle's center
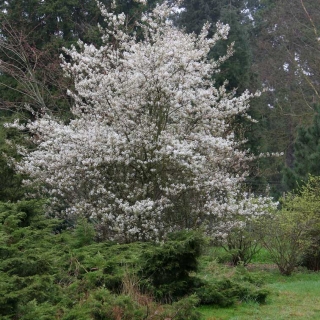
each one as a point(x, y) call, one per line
point(286, 240)
point(308, 203)
point(292, 236)
point(241, 244)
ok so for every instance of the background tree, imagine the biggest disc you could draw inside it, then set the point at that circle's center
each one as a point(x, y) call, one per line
point(10, 182)
point(306, 155)
point(33, 34)
point(286, 60)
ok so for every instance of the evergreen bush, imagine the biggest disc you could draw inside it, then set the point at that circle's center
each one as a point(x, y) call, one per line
point(166, 270)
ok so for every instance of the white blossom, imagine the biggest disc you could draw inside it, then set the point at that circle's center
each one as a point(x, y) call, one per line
point(150, 149)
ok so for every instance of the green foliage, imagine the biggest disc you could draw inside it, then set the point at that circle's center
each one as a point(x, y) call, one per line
point(224, 286)
point(84, 233)
point(53, 21)
point(281, 37)
point(285, 239)
point(241, 244)
point(10, 183)
point(184, 309)
point(226, 292)
point(237, 69)
point(197, 13)
point(26, 268)
point(167, 267)
point(46, 274)
point(307, 203)
point(292, 234)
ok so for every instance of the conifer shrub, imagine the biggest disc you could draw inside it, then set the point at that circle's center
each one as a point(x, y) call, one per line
point(226, 292)
point(26, 266)
point(166, 269)
point(46, 274)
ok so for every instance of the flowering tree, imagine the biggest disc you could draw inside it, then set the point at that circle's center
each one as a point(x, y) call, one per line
point(150, 149)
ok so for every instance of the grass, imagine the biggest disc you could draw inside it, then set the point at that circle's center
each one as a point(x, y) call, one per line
point(292, 297)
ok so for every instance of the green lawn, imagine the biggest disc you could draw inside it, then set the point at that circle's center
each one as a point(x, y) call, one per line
point(294, 297)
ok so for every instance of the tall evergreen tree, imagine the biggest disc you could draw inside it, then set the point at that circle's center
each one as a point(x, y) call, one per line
point(284, 39)
point(306, 154)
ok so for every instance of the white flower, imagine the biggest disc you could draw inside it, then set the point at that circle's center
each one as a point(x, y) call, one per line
point(150, 148)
